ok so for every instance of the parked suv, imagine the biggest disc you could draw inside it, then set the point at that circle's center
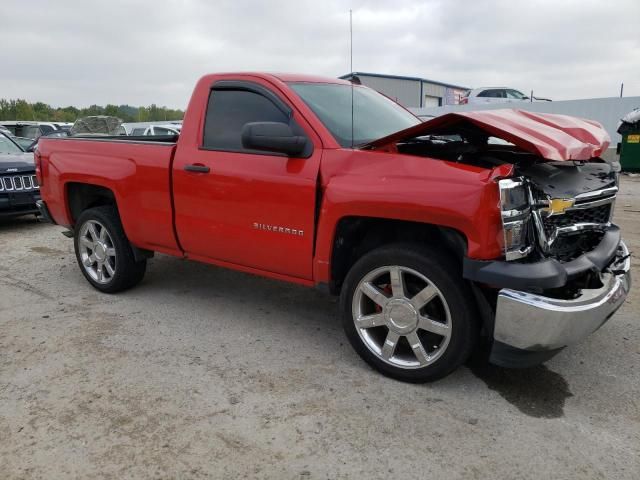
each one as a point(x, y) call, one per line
point(19, 189)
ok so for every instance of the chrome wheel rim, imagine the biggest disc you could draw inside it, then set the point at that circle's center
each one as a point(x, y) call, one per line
point(402, 317)
point(97, 252)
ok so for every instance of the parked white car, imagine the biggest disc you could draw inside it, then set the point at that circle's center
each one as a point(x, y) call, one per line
point(496, 95)
point(151, 128)
point(158, 130)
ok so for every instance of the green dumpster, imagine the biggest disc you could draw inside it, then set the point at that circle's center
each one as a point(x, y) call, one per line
point(630, 147)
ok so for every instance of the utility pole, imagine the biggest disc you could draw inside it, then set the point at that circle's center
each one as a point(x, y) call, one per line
point(351, 41)
point(621, 89)
point(351, 68)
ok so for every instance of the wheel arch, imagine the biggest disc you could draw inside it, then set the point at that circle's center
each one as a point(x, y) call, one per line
point(82, 196)
point(356, 235)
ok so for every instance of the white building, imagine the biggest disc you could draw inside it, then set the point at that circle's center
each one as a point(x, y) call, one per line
point(411, 92)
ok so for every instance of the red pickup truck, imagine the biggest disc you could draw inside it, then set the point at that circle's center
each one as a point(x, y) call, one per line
point(474, 228)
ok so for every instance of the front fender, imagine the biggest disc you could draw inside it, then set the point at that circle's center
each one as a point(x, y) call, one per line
point(445, 194)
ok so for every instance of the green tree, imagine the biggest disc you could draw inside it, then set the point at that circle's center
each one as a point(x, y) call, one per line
point(143, 114)
point(42, 111)
point(111, 110)
point(24, 111)
point(6, 110)
point(19, 109)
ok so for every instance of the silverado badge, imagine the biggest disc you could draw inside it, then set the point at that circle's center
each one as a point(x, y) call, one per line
point(278, 229)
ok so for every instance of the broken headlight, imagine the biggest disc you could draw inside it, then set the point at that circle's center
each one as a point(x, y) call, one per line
point(515, 212)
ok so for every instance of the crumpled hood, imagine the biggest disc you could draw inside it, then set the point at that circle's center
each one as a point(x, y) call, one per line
point(16, 162)
point(551, 136)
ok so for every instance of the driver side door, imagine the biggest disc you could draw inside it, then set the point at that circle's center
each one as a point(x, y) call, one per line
point(243, 207)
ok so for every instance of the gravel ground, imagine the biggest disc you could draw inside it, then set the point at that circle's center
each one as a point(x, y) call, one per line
point(205, 373)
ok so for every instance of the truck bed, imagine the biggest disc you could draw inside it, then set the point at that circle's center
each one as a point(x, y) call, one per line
point(136, 169)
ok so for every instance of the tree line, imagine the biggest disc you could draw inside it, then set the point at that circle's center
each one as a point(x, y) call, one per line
point(22, 110)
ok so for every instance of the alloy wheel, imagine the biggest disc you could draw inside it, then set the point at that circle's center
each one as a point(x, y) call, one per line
point(401, 317)
point(97, 251)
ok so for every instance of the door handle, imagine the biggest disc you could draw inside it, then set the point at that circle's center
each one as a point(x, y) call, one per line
point(197, 168)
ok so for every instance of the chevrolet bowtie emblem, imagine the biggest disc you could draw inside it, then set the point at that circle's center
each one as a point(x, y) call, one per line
point(558, 206)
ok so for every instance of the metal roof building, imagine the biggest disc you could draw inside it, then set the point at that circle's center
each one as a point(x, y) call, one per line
point(411, 92)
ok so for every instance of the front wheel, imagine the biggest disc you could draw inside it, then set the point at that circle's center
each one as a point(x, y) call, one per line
point(103, 251)
point(408, 313)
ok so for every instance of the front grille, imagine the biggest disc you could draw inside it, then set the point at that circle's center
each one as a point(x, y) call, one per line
point(570, 247)
point(599, 214)
point(18, 183)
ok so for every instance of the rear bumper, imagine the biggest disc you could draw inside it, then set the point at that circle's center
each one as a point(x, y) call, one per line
point(530, 328)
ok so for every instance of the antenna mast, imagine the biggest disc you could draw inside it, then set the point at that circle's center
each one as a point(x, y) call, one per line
point(351, 66)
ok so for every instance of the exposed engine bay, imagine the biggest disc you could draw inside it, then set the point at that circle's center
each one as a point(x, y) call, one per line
point(582, 192)
point(480, 150)
point(558, 209)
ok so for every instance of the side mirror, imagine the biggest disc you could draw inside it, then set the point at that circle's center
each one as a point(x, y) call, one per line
point(273, 137)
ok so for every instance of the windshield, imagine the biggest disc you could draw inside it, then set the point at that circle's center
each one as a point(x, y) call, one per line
point(516, 94)
point(23, 142)
point(7, 146)
point(374, 115)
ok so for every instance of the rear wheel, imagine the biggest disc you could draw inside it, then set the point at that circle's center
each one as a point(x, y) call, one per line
point(103, 252)
point(408, 313)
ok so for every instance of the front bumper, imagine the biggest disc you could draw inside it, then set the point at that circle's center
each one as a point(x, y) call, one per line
point(530, 328)
point(544, 274)
point(13, 204)
point(44, 212)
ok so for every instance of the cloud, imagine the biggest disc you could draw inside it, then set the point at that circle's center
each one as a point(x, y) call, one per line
point(142, 52)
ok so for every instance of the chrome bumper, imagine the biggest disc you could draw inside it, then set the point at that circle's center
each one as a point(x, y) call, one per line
point(533, 322)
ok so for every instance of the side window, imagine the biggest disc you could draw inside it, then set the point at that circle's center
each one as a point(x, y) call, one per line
point(492, 93)
point(229, 110)
point(162, 131)
point(30, 131)
point(137, 131)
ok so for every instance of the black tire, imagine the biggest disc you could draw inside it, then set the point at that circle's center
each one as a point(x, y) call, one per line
point(445, 274)
point(128, 272)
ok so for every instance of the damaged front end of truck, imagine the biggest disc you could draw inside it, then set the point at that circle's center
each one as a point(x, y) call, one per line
point(565, 269)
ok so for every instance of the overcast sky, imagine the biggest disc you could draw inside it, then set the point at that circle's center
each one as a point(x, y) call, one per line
point(79, 52)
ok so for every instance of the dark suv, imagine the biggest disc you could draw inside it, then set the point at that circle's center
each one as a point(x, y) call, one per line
point(19, 188)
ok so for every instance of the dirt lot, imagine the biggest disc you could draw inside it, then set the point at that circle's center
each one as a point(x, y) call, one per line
point(206, 373)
